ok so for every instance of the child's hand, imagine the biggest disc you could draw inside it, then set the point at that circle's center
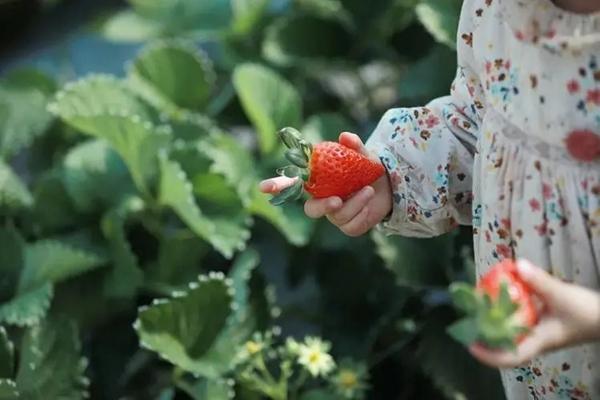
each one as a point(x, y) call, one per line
point(358, 214)
point(571, 315)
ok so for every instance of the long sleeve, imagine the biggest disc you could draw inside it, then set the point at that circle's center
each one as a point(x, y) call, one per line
point(429, 152)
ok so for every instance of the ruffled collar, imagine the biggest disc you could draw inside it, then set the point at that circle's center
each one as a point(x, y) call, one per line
point(542, 23)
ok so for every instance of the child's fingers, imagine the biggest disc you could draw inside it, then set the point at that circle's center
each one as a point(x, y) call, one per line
point(354, 142)
point(549, 334)
point(359, 225)
point(276, 185)
point(351, 207)
point(317, 208)
point(494, 358)
point(542, 283)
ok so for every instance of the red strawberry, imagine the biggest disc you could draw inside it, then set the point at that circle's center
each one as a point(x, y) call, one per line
point(329, 168)
point(499, 311)
point(337, 170)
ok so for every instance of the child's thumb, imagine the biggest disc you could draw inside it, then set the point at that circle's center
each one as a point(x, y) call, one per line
point(541, 282)
point(353, 141)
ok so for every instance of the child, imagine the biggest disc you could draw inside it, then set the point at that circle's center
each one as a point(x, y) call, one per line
point(514, 151)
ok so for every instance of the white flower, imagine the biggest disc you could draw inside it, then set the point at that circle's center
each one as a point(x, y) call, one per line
point(313, 355)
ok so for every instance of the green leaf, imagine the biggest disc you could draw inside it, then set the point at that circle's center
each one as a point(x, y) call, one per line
point(464, 297)
point(327, 9)
point(8, 390)
point(250, 314)
point(429, 77)
point(306, 39)
point(53, 260)
point(247, 14)
point(289, 220)
point(212, 389)
point(450, 366)
point(14, 195)
point(7, 356)
point(125, 276)
point(30, 78)
point(465, 331)
point(91, 167)
point(190, 126)
point(11, 261)
point(50, 365)
point(53, 207)
point(23, 117)
point(179, 260)
point(105, 108)
point(205, 17)
point(173, 74)
point(182, 329)
point(291, 193)
point(319, 394)
point(127, 26)
point(440, 18)
point(412, 260)
point(230, 159)
point(269, 101)
point(224, 234)
point(29, 308)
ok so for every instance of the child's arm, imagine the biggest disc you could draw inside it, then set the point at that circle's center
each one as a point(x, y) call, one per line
point(571, 316)
point(428, 153)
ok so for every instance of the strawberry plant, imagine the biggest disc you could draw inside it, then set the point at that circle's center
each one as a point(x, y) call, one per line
point(140, 259)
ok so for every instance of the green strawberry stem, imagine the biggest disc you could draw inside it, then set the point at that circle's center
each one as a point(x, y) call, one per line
point(298, 153)
point(487, 321)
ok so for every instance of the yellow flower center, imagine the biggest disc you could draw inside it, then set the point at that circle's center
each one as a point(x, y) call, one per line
point(314, 357)
point(348, 379)
point(253, 347)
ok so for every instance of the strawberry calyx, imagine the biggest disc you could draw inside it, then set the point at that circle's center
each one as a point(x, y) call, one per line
point(298, 153)
point(493, 321)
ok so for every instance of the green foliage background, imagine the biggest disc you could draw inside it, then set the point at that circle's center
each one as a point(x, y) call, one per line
point(137, 254)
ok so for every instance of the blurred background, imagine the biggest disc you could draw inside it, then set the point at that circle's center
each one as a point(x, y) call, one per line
point(139, 260)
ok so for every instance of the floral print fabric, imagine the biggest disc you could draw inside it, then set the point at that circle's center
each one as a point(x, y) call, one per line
point(514, 151)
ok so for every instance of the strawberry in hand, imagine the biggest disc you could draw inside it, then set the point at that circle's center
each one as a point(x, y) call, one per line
point(325, 169)
point(500, 311)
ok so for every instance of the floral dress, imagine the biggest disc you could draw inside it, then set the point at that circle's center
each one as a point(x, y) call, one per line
point(514, 151)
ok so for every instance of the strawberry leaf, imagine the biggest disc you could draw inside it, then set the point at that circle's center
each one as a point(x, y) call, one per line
point(464, 331)
point(247, 14)
point(125, 276)
point(12, 249)
point(50, 364)
point(269, 102)
point(8, 390)
point(297, 157)
point(104, 107)
point(7, 356)
point(28, 308)
point(291, 193)
point(183, 329)
point(305, 39)
point(53, 260)
point(440, 18)
point(88, 169)
point(14, 195)
point(464, 297)
point(23, 117)
point(157, 71)
point(176, 191)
